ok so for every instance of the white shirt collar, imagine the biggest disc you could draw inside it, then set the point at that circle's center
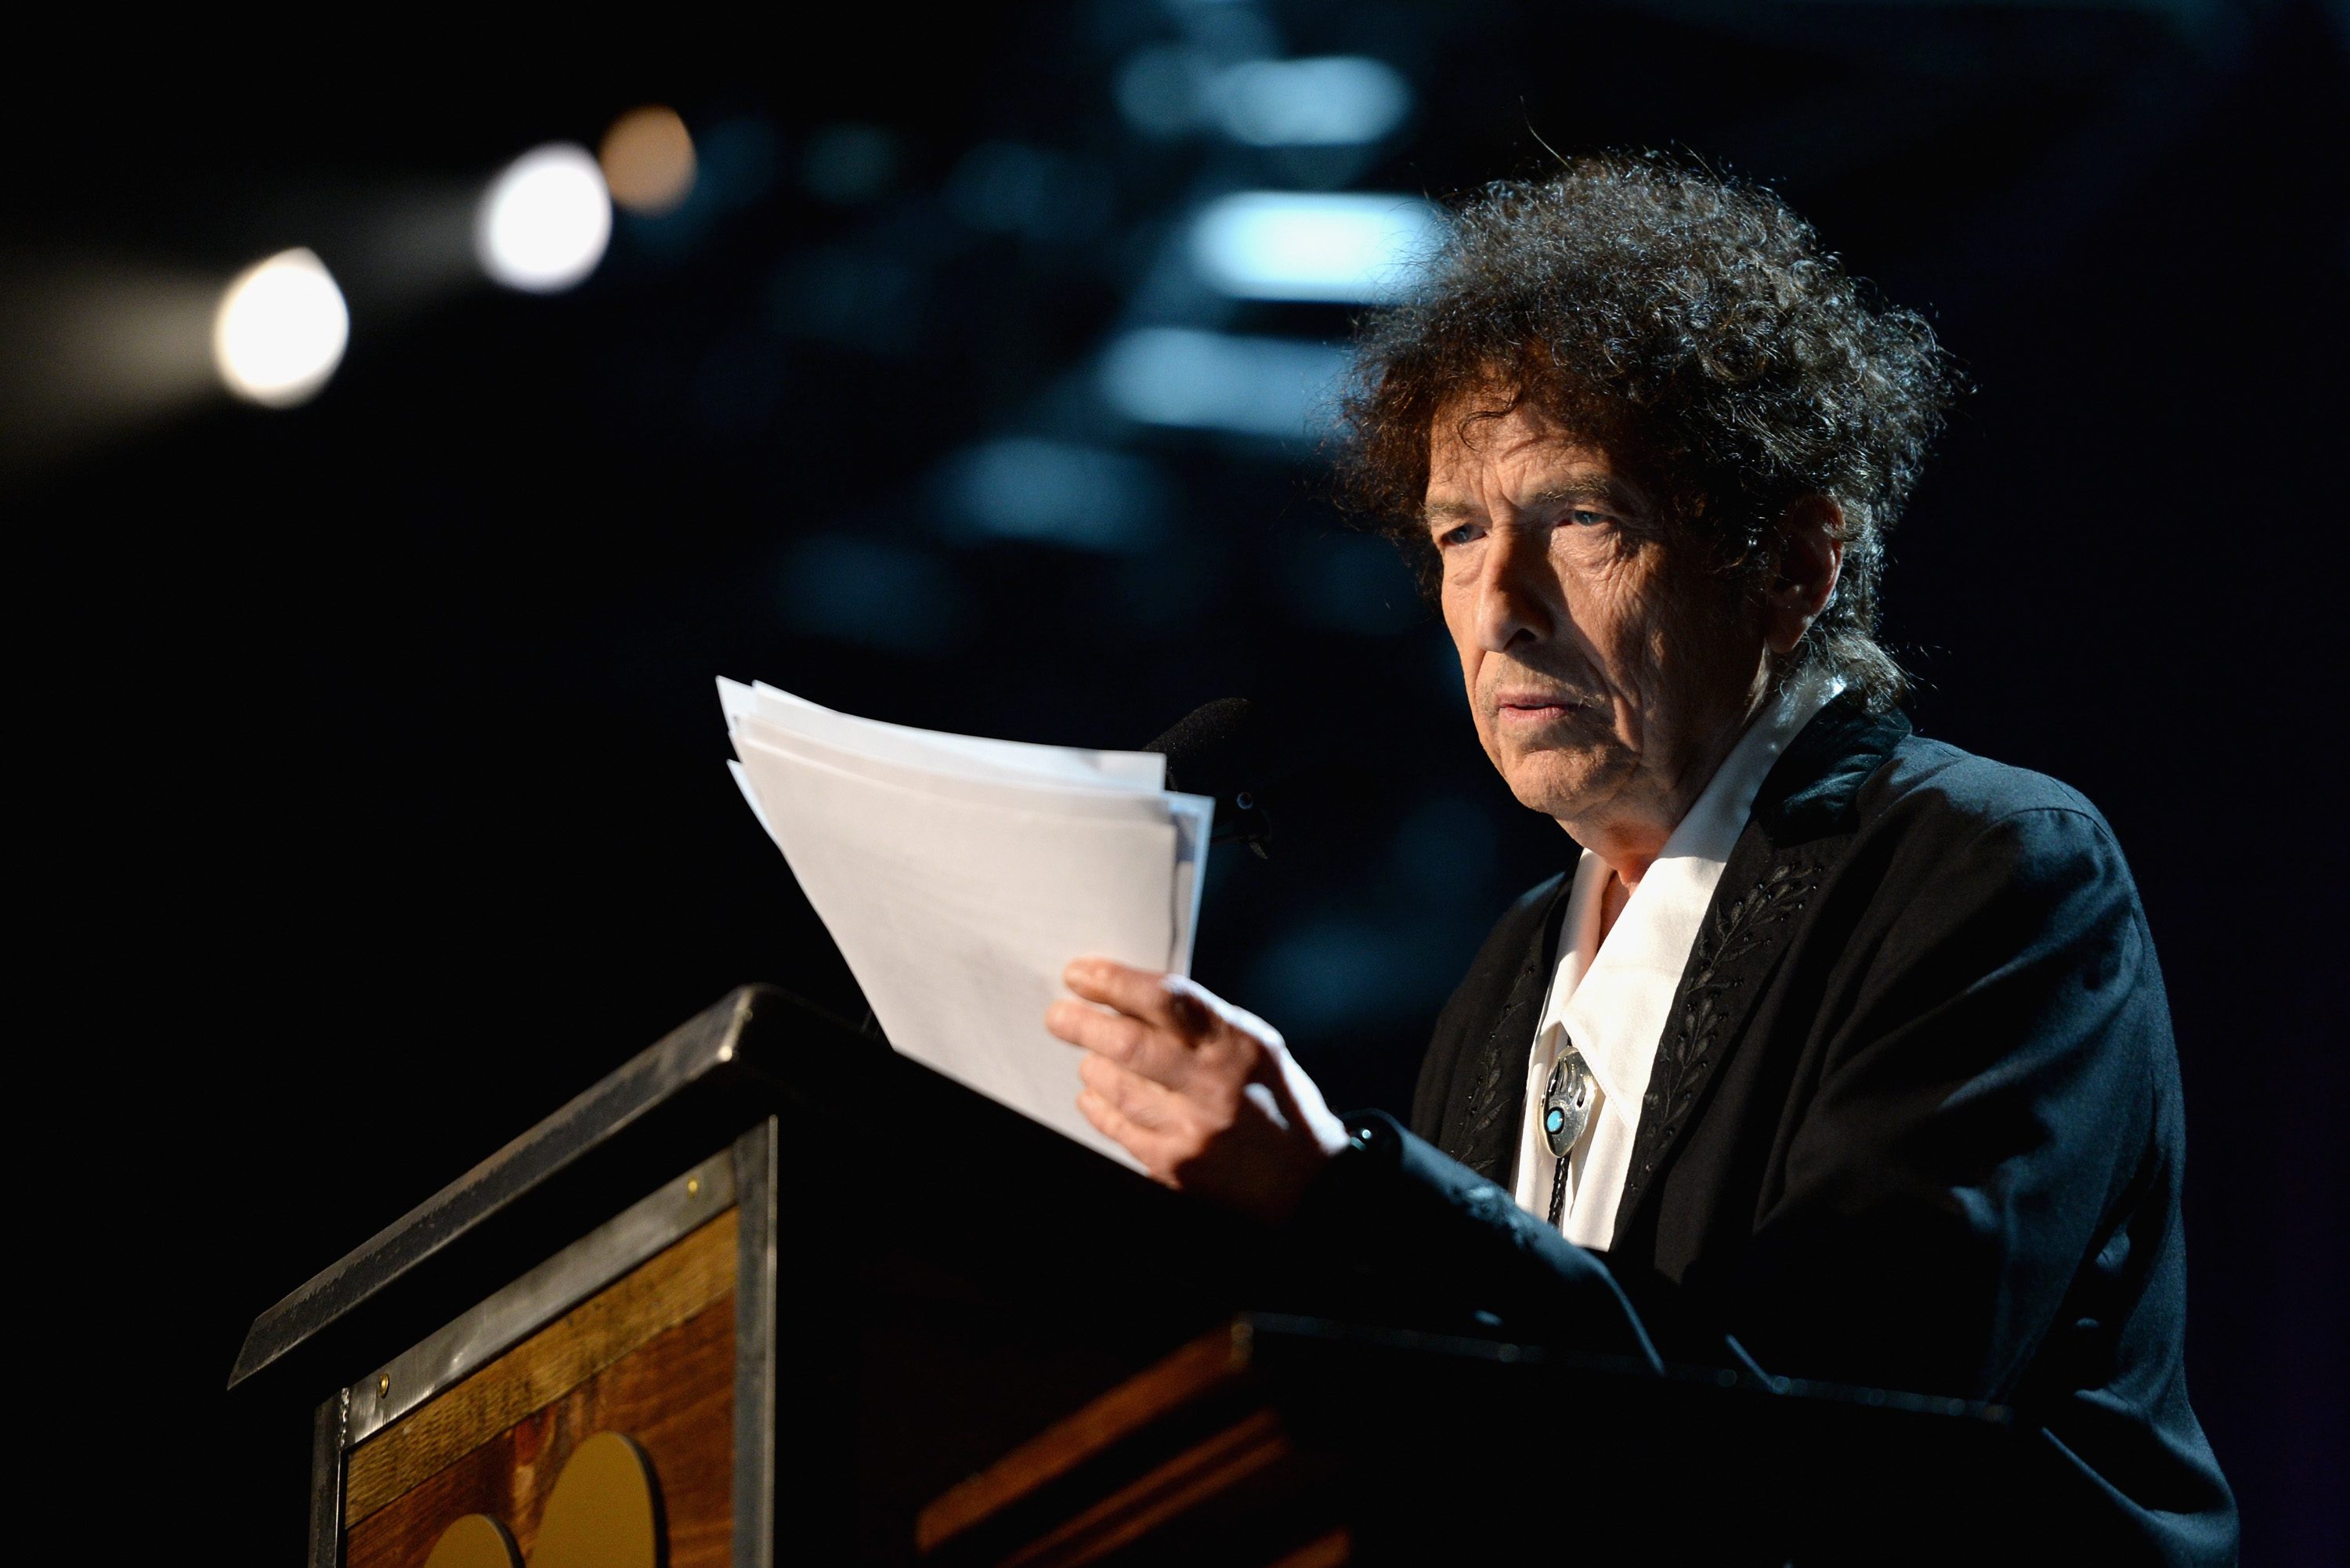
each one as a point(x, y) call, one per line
point(1613, 998)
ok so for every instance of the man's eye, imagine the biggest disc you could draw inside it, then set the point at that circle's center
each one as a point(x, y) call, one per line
point(1465, 534)
point(1584, 517)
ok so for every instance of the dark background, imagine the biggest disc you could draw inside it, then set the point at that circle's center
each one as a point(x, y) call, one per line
point(372, 799)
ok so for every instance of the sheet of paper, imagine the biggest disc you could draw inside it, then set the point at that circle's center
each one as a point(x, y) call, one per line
point(958, 881)
point(1194, 816)
point(941, 776)
point(1131, 770)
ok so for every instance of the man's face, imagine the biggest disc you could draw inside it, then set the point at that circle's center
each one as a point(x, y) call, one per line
point(1608, 669)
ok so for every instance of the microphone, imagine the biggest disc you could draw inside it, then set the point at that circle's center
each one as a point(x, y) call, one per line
point(1221, 749)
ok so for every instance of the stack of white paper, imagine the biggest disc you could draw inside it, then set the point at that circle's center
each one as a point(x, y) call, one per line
point(960, 875)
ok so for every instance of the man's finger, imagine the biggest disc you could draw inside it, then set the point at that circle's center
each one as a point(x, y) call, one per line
point(1139, 1141)
point(1143, 1048)
point(1153, 997)
point(1110, 1035)
point(1140, 1101)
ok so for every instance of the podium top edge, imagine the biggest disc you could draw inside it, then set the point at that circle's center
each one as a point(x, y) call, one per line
point(697, 1048)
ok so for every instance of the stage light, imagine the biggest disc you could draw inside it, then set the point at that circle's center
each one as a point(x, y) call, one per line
point(1324, 100)
point(1357, 249)
point(1276, 388)
point(545, 221)
point(1334, 100)
point(648, 161)
point(280, 330)
point(1056, 492)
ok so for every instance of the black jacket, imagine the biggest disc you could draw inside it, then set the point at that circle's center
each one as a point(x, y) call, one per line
point(1914, 1123)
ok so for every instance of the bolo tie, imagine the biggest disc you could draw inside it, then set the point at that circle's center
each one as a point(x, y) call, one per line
point(1566, 1111)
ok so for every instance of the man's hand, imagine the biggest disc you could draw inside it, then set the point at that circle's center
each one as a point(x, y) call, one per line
point(1204, 1095)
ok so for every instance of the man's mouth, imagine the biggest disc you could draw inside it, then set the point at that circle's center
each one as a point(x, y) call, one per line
point(1536, 707)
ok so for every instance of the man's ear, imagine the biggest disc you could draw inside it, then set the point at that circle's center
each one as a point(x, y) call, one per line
point(1811, 555)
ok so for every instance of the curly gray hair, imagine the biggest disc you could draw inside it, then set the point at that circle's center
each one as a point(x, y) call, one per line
point(1692, 323)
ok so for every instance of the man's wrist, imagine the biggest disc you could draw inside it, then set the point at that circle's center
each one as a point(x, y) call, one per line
point(1372, 1152)
point(1371, 1136)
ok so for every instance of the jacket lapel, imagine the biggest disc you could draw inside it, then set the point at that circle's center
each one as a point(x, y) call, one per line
point(1803, 819)
point(1487, 1139)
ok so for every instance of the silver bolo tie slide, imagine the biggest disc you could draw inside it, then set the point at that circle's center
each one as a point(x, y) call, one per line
point(1566, 1111)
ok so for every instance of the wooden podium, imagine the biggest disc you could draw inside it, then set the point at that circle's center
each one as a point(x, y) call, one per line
point(772, 1294)
point(813, 1283)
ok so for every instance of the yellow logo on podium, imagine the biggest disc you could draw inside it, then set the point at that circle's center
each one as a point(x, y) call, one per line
point(601, 1514)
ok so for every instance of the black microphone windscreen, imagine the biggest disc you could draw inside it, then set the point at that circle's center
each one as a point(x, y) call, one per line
point(1215, 749)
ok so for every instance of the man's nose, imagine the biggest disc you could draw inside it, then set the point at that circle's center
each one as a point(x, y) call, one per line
point(1516, 589)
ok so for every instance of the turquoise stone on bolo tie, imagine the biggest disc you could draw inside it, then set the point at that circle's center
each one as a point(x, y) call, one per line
point(1566, 1111)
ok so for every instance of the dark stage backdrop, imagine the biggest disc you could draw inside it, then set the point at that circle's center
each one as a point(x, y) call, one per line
point(375, 801)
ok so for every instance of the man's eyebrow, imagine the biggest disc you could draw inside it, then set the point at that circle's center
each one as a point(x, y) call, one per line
point(1606, 488)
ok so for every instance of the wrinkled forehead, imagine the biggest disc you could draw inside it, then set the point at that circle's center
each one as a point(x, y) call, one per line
point(1477, 426)
point(1480, 444)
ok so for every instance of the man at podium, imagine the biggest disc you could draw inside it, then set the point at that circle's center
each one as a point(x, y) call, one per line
point(1840, 1048)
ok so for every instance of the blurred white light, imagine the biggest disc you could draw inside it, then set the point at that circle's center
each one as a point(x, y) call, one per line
point(1355, 249)
point(545, 221)
point(280, 329)
point(1274, 387)
point(1334, 100)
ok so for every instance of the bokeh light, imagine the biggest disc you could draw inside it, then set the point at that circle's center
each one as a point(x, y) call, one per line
point(1336, 100)
point(1279, 389)
point(545, 221)
point(1355, 248)
point(280, 329)
point(648, 161)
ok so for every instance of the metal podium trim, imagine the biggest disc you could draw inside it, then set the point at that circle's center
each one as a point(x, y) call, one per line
point(538, 1297)
point(755, 1155)
point(350, 1416)
point(702, 1046)
point(326, 1449)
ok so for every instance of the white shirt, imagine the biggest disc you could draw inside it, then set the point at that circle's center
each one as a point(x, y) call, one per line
point(1612, 998)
